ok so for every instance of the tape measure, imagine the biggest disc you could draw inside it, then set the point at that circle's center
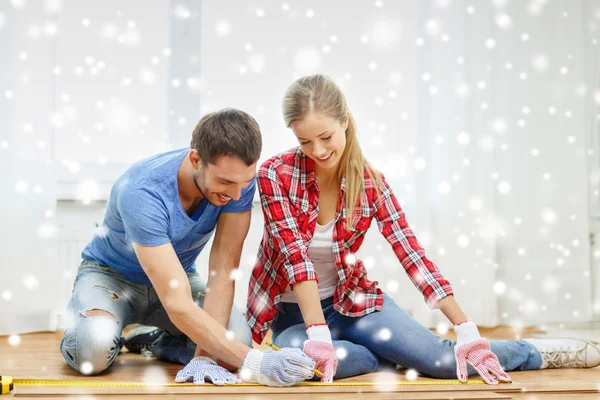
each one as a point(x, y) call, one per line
point(8, 382)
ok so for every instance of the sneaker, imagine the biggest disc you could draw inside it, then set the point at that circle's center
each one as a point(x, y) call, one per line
point(141, 338)
point(567, 353)
point(174, 349)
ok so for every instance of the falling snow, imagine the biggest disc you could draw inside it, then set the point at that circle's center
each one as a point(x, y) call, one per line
point(475, 151)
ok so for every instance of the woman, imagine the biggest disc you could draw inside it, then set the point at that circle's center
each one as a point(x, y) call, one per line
point(318, 202)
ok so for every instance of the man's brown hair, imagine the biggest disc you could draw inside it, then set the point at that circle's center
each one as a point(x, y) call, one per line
point(227, 132)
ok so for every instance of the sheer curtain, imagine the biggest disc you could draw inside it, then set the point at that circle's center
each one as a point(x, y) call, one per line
point(28, 259)
point(503, 100)
point(475, 112)
point(482, 115)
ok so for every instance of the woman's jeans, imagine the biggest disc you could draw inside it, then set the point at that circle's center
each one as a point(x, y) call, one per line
point(391, 336)
point(90, 344)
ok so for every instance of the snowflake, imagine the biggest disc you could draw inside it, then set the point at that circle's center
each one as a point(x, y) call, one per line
point(341, 353)
point(504, 187)
point(14, 340)
point(412, 374)
point(307, 60)
point(490, 43)
point(540, 62)
point(432, 27)
point(223, 27)
point(503, 21)
point(442, 328)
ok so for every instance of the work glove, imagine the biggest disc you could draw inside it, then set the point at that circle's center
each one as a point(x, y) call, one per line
point(320, 348)
point(284, 367)
point(202, 368)
point(473, 349)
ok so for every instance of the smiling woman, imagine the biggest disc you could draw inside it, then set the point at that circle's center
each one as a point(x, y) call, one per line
point(316, 111)
point(312, 290)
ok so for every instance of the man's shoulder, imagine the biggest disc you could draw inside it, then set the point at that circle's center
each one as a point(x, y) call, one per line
point(151, 176)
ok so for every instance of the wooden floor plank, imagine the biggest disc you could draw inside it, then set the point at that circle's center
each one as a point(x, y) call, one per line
point(38, 357)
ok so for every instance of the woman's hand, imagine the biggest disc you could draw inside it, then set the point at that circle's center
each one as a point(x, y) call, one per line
point(320, 348)
point(473, 349)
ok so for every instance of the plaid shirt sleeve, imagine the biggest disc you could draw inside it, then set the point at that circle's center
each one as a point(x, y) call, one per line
point(280, 223)
point(424, 274)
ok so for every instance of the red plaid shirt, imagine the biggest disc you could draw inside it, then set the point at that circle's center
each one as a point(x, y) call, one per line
point(289, 197)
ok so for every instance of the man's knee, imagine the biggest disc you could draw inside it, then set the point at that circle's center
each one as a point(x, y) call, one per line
point(92, 341)
point(97, 313)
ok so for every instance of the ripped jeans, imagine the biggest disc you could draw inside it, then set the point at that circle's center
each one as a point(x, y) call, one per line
point(91, 343)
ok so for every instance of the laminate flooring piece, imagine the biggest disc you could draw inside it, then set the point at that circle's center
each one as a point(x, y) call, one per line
point(38, 356)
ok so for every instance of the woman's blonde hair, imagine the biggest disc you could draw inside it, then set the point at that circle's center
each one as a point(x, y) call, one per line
point(319, 93)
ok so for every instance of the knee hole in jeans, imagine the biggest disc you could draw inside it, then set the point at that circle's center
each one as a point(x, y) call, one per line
point(94, 312)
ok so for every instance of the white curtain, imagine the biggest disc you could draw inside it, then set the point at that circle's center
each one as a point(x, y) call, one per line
point(502, 109)
point(592, 132)
point(84, 94)
point(30, 274)
point(475, 112)
point(481, 115)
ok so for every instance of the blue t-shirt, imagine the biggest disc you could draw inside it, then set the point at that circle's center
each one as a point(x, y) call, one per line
point(144, 207)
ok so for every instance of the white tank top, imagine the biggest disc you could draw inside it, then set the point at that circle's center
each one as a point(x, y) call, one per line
point(320, 252)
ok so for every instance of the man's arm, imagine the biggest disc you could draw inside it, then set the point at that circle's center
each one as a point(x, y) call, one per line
point(225, 254)
point(172, 286)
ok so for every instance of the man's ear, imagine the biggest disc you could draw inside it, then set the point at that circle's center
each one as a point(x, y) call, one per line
point(195, 158)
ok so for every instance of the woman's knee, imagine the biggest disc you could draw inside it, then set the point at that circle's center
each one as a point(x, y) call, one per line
point(291, 337)
point(92, 342)
point(442, 367)
point(239, 328)
point(354, 360)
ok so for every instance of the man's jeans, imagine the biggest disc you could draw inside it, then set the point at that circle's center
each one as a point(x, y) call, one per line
point(90, 344)
point(391, 336)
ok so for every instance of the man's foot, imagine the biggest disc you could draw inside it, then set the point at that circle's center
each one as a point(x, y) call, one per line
point(174, 349)
point(141, 338)
point(567, 353)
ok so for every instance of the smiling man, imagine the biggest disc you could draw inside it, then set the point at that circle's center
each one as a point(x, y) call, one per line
point(140, 266)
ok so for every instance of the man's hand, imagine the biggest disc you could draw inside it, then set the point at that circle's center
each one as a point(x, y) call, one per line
point(202, 353)
point(202, 368)
point(285, 367)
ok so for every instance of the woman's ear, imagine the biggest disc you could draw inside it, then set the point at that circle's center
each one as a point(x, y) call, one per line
point(346, 120)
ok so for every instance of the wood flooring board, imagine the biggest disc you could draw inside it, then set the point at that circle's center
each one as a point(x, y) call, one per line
point(322, 396)
point(311, 390)
point(38, 357)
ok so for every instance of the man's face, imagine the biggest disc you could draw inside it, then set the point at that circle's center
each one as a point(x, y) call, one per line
point(224, 179)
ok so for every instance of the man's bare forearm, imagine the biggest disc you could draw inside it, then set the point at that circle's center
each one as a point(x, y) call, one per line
point(201, 328)
point(218, 303)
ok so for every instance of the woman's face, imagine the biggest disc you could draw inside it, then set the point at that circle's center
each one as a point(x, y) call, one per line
point(321, 138)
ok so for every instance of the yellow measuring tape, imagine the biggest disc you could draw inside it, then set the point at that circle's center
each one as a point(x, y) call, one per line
point(7, 380)
point(6, 384)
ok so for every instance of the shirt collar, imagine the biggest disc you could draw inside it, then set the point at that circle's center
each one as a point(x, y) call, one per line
point(306, 171)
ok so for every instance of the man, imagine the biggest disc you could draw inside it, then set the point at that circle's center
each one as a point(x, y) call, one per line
point(139, 267)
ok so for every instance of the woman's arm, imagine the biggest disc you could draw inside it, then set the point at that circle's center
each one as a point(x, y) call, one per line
point(452, 310)
point(307, 293)
point(424, 274)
